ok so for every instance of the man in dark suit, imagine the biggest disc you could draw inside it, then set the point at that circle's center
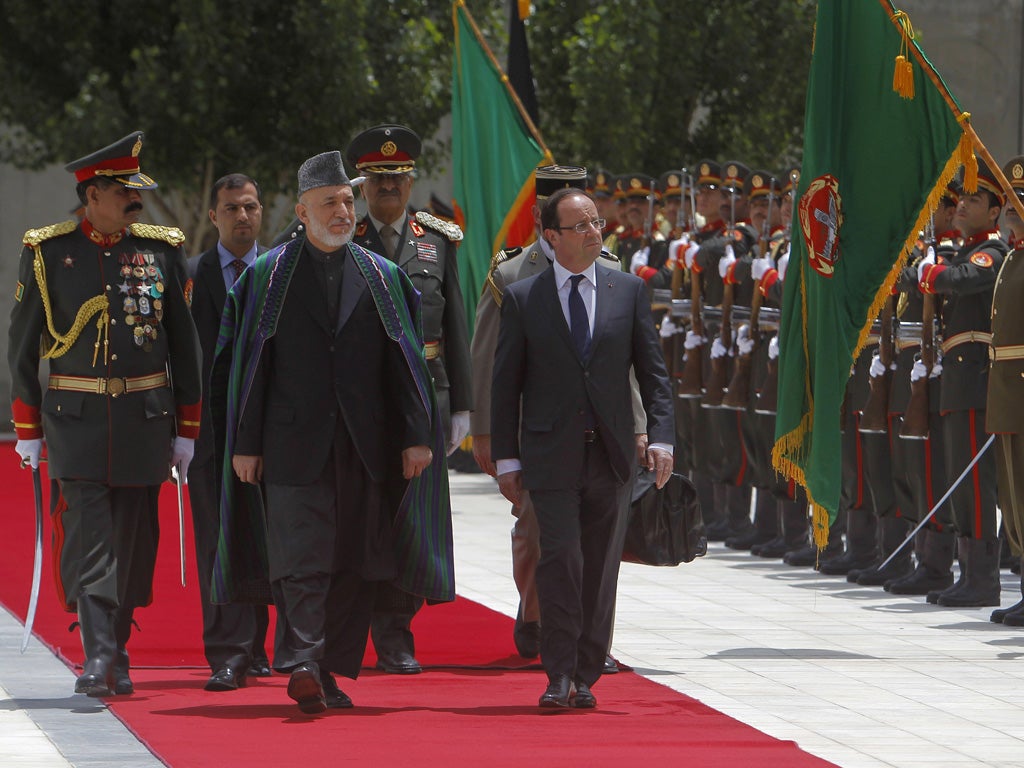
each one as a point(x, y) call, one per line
point(332, 414)
point(233, 633)
point(561, 370)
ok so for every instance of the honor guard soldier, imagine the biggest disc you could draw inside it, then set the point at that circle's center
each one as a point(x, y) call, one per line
point(424, 246)
point(637, 189)
point(607, 207)
point(965, 286)
point(105, 302)
point(1005, 385)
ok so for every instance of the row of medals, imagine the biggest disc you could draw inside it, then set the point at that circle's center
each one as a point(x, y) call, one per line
point(143, 303)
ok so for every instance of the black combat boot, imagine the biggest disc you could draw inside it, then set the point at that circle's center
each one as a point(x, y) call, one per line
point(861, 545)
point(765, 527)
point(961, 581)
point(893, 532)
point(1014, 615)
point(982, 585)
point(96, 624)
point(122, 631)
point(934, 566)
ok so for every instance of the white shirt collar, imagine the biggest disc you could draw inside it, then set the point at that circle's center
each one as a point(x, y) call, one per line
point(562, 274)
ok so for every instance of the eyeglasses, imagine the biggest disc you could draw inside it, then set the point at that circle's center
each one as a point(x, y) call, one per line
point(583, 226)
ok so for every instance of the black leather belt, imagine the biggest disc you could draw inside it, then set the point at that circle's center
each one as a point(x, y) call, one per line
point(589, 435)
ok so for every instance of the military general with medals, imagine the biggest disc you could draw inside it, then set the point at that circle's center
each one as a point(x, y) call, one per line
point(105, 302)
point(424, 246)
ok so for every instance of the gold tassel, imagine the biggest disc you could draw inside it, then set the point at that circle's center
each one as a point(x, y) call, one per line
point(967, 157)
point(903, 74)
point(524, 9)
point(819, 526)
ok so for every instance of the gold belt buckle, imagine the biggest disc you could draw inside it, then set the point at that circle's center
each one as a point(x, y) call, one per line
point(115, 387)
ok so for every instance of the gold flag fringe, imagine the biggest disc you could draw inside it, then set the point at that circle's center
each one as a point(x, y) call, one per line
point(967, 156)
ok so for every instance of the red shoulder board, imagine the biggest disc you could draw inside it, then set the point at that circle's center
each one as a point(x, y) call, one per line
point(361, 228)
point(981, 259)
point(416, 228)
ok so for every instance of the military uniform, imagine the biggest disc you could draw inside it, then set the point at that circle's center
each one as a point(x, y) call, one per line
point(424, 246)
point(1004, 415)
point(110, 314)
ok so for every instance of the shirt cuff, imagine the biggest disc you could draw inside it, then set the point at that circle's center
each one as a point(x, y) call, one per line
point(504, 466)
point(663, 446)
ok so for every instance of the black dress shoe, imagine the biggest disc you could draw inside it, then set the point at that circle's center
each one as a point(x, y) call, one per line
point(584, 698)
point(225, 679)
point(97, 679)
point(398, 663)
point(334, 697)
point(259, 668)
point(526, 635)
point(611, 666)
point(304, 686)
point(558, 692)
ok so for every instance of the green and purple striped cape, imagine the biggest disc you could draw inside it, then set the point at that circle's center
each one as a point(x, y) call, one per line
point(423, 523)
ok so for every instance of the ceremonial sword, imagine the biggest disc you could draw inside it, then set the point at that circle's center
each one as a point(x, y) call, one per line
point(37, 560)
point(935, 509)
point(176, 471)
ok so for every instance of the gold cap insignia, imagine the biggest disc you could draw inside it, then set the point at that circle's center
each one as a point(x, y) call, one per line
point(137, 148)
point(731, 171)
point(635, 183)
point(673, 180)
point(757, 182)
point(388, 148)
point(1017, 171)
point(705, 169)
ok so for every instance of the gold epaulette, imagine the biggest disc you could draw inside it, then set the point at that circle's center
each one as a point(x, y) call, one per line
point(171, 235)
point(447, 228)
point(35, 236)
point(499, 258)
point(606, 254)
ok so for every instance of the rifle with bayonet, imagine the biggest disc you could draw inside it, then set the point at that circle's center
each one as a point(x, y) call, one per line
point(691, 382)
point(915, 418)
point(714, 391)
point(737, 396)
point(875, 416)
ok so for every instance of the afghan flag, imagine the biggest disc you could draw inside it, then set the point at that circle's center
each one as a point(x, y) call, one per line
point(883, 136)
point(495, 149)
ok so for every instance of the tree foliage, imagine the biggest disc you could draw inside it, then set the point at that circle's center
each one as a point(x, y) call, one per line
point(633, 85)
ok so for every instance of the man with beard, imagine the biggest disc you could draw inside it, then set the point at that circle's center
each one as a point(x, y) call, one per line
point(106, 302)
point(323, 396)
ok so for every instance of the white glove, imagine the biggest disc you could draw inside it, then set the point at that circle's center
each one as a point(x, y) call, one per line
point(460, 428)
point(877, 367)
point(30, 451)
point(783, 263)
point(744, 344)
point(773, 348)
point(718, 349)
point(690, 254)
point(693, 340)
point(674, 247)
point(924, 263)
point(936, 370)
point(759, 266)
point(668, 328)
point(726, 261)
point(640, 259)
point(918, 372)
point(182, 451)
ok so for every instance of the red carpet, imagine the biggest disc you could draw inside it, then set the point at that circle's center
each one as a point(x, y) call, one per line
point(451, 716)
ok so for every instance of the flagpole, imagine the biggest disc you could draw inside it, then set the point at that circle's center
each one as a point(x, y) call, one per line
point(504, 77)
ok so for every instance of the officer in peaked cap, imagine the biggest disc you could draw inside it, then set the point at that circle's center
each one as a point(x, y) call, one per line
point(1003, 414)
point(964, 286)
point(670, 185)
point(607, 207)
point(424, 246)
point(636, 189)
point(121, 403)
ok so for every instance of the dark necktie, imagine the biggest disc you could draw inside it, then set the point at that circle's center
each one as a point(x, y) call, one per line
point(579, 322)
point(239, 266)
point(389, 236)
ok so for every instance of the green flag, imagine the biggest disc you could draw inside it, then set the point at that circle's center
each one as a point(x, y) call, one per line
point(882, 139)
point(495, 150)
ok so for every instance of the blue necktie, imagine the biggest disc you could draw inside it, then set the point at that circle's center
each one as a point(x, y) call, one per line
point(579, 321)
